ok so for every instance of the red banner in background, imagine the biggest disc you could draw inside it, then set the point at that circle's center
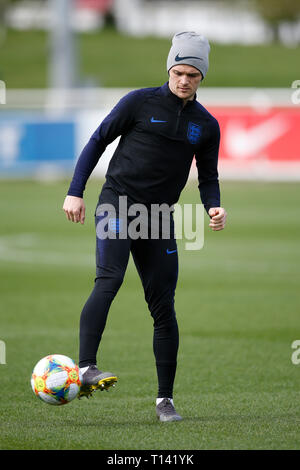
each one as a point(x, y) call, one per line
point(259, 143)
point(99, 5)
point(248, 134)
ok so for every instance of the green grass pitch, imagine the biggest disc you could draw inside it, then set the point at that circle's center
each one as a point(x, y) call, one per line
point(111, 59)
point(237, 305)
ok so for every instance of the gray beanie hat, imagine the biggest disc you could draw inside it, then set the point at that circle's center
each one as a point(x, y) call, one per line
point(189, 48)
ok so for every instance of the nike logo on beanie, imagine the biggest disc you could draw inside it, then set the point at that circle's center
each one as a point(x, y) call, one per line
point(178, 58)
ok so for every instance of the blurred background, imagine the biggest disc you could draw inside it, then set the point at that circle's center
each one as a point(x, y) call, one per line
point(65, 63)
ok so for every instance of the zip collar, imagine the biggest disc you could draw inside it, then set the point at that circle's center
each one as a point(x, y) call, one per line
point(165, 90)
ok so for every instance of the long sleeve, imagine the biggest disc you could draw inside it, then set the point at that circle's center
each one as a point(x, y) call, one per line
point(117, 123)
point(207, 165)
point(86, 163)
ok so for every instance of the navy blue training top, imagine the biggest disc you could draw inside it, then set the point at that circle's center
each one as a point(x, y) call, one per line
point(159, 138)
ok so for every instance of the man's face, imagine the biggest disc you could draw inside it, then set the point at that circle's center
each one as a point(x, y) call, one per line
point(184, 81)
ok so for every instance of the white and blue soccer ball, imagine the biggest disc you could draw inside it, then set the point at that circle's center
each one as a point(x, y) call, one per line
point(56, 379)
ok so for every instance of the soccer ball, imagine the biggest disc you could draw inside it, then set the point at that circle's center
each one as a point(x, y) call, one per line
point(56, 379)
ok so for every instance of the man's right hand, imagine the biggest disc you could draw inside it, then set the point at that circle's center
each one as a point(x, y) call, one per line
point(74, 209)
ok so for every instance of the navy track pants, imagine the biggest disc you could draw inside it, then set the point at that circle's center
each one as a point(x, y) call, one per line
point(156, 261)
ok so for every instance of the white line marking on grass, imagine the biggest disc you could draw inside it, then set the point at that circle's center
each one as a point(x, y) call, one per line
point(26, 248)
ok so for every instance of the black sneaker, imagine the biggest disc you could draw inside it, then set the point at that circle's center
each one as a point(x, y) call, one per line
point(165, 411)
point(93, 379)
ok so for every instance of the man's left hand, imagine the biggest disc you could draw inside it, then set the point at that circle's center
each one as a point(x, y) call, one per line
point(217, 218)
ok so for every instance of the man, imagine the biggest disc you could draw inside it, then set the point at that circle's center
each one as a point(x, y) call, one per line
point(161, 130)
